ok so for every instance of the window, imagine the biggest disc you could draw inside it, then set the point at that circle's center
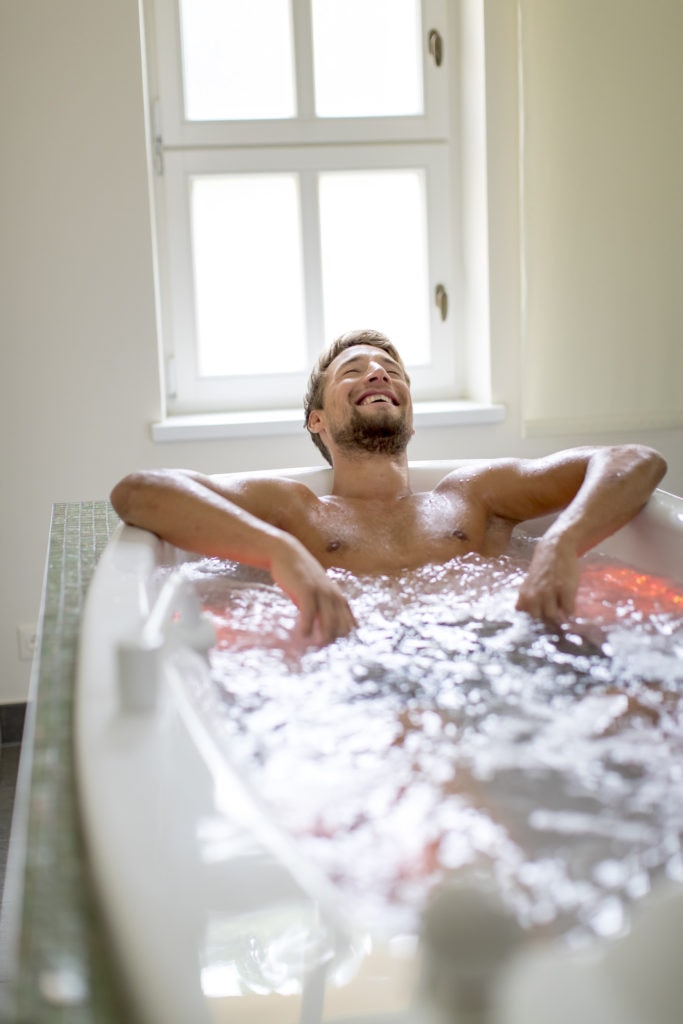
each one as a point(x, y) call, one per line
point(302, 189)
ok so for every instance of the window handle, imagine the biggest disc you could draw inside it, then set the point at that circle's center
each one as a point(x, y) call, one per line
point(435, 41)
point(441, 300)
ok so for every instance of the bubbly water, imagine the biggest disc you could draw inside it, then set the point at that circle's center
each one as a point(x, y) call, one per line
point(452, 733)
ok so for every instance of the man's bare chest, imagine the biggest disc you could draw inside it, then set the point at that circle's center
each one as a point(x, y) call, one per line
point(378, 536)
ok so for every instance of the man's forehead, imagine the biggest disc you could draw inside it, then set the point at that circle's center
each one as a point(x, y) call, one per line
point(362, 352)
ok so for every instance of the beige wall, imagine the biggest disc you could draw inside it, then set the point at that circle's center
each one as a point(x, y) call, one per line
point(77, 321)
point(603, 212)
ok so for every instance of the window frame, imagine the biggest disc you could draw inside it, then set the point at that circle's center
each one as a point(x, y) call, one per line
point(306, 128)
point(305, 144)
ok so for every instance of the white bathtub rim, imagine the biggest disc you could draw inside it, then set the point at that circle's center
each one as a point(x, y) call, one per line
point(119, 757)
point(115, 767)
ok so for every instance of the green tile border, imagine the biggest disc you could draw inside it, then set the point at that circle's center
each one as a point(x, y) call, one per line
point(62, 962)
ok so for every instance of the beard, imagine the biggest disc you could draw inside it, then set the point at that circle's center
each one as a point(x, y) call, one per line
point(380, 435)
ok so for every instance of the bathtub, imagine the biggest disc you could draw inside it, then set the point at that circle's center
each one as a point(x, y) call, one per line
point(211, 915)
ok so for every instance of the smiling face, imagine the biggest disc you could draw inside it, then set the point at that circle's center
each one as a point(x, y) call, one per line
point(366, 403)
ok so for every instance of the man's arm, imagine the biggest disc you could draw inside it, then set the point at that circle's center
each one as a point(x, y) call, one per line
point(232, 520)
point(596, 491)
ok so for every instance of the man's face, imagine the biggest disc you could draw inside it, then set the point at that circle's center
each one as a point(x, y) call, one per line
point(366, 403)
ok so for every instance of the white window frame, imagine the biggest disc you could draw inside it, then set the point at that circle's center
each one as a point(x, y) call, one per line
point(306, 145)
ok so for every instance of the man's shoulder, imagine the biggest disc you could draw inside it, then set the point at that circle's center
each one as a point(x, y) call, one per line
point(257, 484)
point(471, 471)
point(483, 479)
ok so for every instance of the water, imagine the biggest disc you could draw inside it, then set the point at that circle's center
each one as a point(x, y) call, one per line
point(451, 733)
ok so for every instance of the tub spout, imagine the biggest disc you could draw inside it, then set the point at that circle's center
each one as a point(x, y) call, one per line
point(139, 662)
point(176, 620)
point(468, 938)
point(178, 614)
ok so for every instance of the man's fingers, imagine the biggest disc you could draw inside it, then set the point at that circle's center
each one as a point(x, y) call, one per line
point(552, 605)
point(324, 618)
point(335, 618)
point(549, 590)
point(307, 618)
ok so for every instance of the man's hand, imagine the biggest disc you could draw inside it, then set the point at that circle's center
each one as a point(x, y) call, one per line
point(549, 590)
point(324, 612)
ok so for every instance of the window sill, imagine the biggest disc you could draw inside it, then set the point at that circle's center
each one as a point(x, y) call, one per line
point(269, 423)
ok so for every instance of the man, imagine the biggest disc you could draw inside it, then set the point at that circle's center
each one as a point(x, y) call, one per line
point(359, 414)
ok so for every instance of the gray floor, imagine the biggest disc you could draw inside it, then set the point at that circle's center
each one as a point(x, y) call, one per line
point(9, 763)
point(12, 718)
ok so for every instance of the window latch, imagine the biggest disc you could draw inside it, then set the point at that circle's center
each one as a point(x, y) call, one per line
point(441, 300)
point(435, 41)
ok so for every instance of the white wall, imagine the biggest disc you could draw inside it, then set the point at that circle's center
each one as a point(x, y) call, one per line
point(77, 321)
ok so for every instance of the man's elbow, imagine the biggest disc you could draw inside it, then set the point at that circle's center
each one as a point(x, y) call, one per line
point(128, 495)
point(642, 466)
point(653, 463)
point(660, 465)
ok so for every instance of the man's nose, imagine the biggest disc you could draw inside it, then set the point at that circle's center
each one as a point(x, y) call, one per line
point(376, 371)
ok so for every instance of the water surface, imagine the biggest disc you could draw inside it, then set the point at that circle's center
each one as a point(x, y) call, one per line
point(452, 733)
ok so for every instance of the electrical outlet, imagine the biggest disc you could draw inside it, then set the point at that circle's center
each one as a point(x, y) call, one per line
point(27, 640)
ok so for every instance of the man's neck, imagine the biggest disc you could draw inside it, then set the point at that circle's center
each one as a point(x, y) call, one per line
point(379, 477)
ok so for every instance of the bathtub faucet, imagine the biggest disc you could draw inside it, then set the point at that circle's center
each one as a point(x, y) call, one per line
point(176, 620)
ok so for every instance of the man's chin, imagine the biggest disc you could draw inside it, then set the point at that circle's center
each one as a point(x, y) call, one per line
point(381, 432)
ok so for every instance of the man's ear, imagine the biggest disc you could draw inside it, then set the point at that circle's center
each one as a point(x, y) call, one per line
point(316, 421)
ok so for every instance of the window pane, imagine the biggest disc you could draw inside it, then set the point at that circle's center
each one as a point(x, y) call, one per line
point(237, 59)
point(367, 58)
point(374, 256)
point(248, 276)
